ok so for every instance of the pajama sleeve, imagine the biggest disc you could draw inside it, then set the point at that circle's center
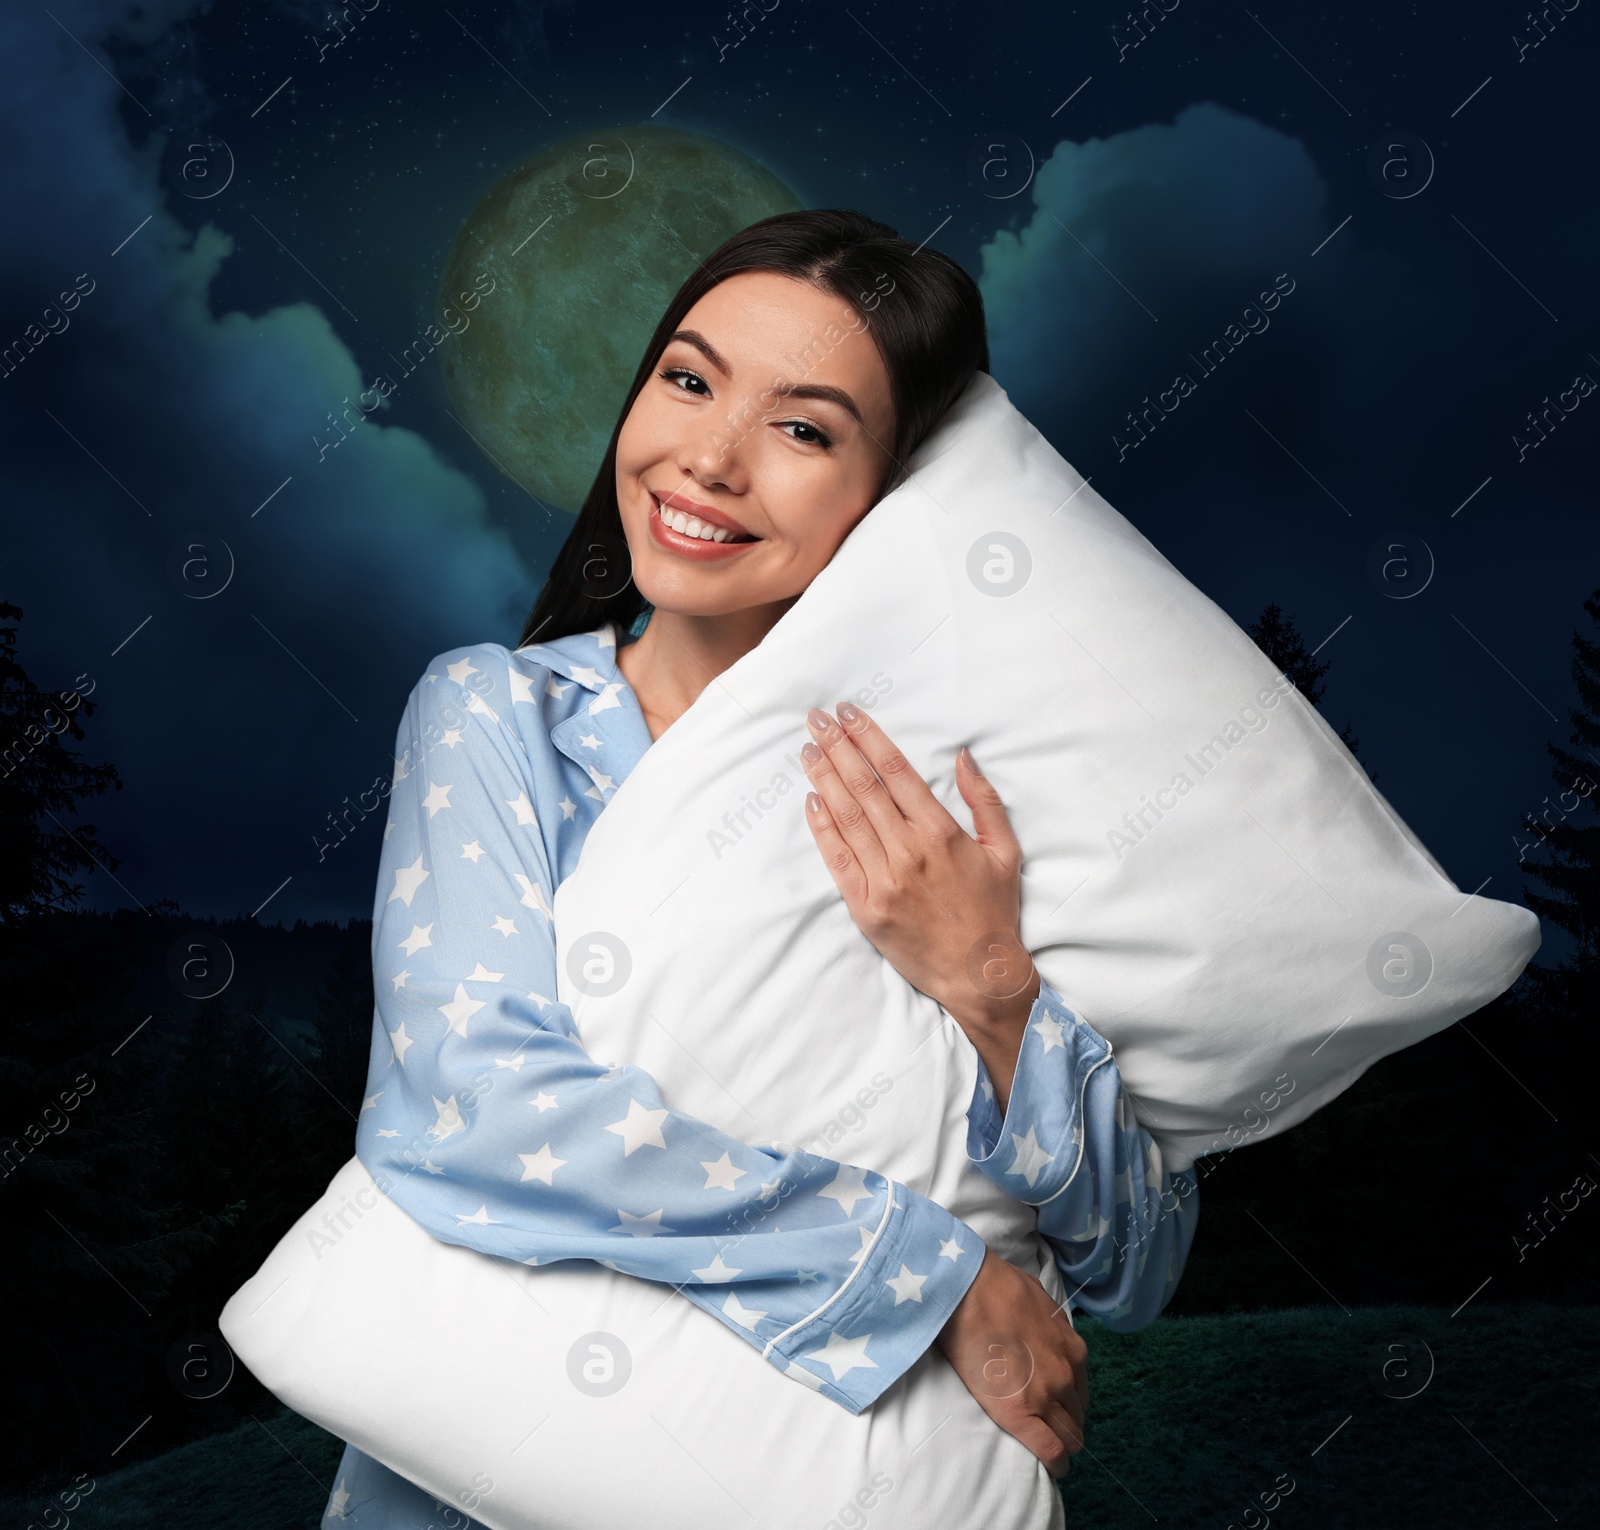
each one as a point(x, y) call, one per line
point(1119, 1224)
point(491, 1126)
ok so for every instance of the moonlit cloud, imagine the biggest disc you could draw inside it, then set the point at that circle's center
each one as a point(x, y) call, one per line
point(152, 422)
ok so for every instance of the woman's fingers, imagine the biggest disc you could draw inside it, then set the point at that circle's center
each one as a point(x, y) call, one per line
point(837, 855)
point(911, 796)
point(854, 798)
point(856, 772)
point(989, 816)
point(1045, 1443)
point(1066, 1428)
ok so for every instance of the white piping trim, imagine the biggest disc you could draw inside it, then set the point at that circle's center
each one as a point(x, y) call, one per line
point(1083, 1145)
point(861, 1264)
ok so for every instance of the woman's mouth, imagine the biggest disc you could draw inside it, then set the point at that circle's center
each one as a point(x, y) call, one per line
point(702, 532)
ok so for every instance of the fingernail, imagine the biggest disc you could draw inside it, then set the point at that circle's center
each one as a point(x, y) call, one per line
point(972, 764)
point(813, 802)
point(819, 719)
point(847, 713)
point(811, 754)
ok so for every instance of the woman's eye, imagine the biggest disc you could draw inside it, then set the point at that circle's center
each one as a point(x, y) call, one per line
point(806, 432)
point(673, 374)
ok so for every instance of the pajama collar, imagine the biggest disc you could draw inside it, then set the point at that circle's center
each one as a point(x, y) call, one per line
point(605, 735)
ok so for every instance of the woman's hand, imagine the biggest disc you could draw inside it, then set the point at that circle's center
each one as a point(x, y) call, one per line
point(943, 907)
point(1020, 1356)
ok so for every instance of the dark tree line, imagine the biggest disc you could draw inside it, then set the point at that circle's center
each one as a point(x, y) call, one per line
point(1445, 1164)
point(154, 1147)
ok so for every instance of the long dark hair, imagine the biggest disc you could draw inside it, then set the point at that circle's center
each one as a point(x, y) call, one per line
point(924, 312)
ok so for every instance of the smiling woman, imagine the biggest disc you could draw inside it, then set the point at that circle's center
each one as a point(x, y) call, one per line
point(780, 398)
point(807, 393)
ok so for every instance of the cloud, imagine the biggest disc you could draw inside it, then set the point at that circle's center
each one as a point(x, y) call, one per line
point(148, 424)
point(1137, 243)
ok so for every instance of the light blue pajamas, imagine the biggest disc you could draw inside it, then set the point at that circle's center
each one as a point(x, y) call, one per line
point(491, 1125)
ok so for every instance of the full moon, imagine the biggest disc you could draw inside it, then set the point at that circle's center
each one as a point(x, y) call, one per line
point(560, 275)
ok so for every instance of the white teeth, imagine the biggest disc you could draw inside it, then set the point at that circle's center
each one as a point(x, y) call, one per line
point(689, 526)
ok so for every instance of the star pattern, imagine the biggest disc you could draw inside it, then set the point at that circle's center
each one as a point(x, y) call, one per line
point(541, 1165)
point(473, 1048)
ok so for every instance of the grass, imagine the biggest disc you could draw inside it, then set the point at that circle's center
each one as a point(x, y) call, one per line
point(1192, 1419)
point(1190, 1422)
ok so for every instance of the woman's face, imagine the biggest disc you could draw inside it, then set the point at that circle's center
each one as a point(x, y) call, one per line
point(767, 421)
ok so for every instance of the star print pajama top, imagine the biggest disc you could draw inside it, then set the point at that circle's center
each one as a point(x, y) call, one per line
point(495, 1129)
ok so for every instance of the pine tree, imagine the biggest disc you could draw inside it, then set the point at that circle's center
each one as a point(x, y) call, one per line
point(1567, 833)
point(1276, 635)
point(344, 1016)
point(40, 780)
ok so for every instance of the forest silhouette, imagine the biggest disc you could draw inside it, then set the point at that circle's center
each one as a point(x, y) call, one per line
point(175, 1091)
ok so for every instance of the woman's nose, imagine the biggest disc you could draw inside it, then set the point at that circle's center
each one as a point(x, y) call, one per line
point(718, 458)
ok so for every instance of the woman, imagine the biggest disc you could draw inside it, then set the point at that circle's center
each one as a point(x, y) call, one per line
point(779, 399)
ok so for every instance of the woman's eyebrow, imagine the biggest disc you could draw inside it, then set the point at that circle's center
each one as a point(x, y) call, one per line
point(706, 348)
point(822, 392)
point(827, 395)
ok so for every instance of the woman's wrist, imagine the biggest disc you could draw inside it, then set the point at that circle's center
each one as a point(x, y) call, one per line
point(1001, 984)
point(996, 1028)
point(1001, 1018)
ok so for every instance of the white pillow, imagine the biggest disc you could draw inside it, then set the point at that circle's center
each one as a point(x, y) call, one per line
point(1210, 879)
point(572, 1397)
point(1249, 953)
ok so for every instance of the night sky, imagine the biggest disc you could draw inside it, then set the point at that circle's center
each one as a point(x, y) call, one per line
point(1417, 180)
